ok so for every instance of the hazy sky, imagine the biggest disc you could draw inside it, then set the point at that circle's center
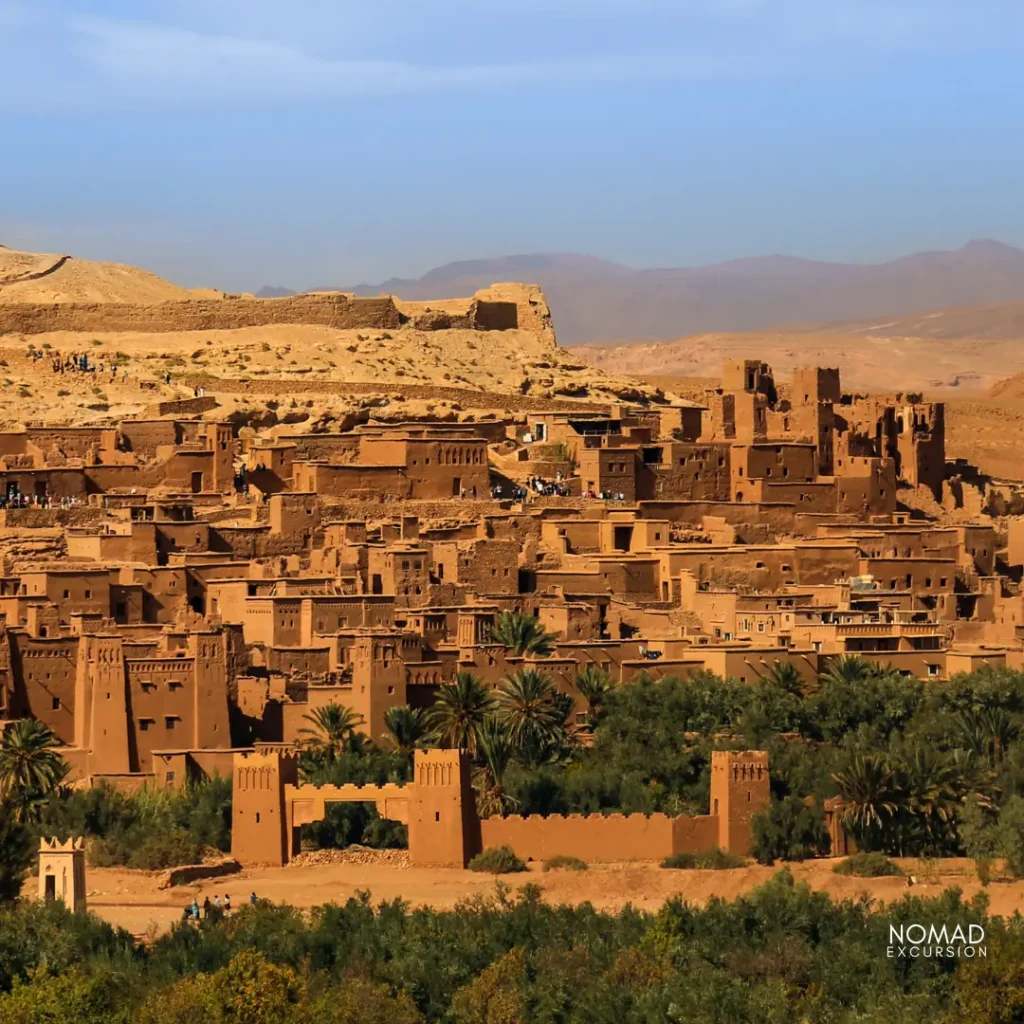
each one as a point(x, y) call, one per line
point(237, 143)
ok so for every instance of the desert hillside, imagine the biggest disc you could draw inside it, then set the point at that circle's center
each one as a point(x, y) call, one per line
point(314, 358)
point(968, 348)
point(46, 277)
point(1003, 321)
point(600, 301)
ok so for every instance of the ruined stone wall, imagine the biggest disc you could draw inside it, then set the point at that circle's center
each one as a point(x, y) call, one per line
point(374, 509)
point(329, 310)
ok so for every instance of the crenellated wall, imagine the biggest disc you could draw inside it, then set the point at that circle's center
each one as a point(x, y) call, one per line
point(444, 830)
point(601, 837)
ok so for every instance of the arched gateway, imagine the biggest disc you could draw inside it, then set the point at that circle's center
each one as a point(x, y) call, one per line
point(269, 806)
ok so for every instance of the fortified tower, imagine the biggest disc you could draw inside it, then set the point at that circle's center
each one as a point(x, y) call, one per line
point(62, 872)
point(739, 789)
point(260, 832)
point(101, 704)
point(444, 830)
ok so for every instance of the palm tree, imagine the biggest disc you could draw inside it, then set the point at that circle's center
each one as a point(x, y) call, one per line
point(786, 676)
point(847, 668)
point(523, 634)
point(931, 781)
point(869, 790)
point(406, 728)
point(30, 767)
point(528, 706)
point(594, 685)
point(985, 732)
point(334, 729)
point(459, 712)
point(496, 753)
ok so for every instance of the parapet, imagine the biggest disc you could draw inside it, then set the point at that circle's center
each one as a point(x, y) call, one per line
point(55, 845)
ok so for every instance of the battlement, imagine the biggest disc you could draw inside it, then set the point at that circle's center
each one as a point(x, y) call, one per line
point(55, 845)
point(444, 829)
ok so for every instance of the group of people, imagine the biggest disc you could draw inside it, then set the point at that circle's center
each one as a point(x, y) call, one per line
point(78, 362)
point(548, 488)
point(210, 910)
point(17, 499)
point(605, 495)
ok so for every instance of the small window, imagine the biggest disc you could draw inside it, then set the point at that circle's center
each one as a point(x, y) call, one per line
point(67, 593)
point(56, 703)
point(88, 594)
point(943, 580)
point(144, 724)
point(170, 721)
point(933, 670)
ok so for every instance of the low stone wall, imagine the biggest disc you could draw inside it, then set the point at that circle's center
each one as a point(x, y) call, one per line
point(467, 398)
point(454, 508)
point(194, 872)
point(329, 310)
point(42, 518)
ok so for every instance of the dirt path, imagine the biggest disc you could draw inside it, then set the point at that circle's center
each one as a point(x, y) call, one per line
point(131, 899)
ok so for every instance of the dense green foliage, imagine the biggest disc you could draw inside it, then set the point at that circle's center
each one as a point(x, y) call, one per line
point(930, 770)
point(920, 768)
point(15, 853)
point(779, 954)
point(150, 828)
point(790, 829)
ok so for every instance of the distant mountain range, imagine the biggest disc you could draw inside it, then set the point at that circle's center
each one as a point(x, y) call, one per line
point(596, 301)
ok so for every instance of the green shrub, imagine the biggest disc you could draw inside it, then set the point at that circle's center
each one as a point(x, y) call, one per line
point(497, 860)
point(789, 829)
point(707, 860)
point(15, 854)
point(165, 850)
point(867, 865)
point(563, 863)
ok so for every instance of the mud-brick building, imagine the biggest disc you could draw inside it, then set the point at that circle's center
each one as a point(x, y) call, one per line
point(113, 700)
point(412, 463)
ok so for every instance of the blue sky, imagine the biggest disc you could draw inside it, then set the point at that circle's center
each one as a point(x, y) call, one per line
point(237, 143)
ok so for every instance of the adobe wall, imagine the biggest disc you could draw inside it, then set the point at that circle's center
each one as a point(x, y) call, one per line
point(600, 837)
point(329, 310)
point(367, 508)
point(780, 517)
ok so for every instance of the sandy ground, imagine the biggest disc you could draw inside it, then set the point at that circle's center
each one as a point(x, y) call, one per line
point(132, 899)
point(50, 277)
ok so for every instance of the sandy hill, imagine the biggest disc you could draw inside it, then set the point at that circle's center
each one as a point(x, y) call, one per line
point(598, 301)
point(966, 347)
point(1002, 321)
point(1009, 387)
point(44, 277)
